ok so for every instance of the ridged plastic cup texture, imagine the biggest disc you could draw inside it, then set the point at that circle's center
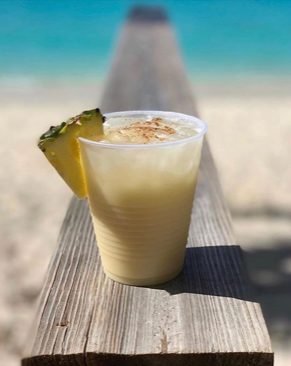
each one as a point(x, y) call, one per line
point(141, 199)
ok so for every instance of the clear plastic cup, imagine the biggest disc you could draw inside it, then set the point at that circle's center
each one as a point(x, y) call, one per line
point(141, 199)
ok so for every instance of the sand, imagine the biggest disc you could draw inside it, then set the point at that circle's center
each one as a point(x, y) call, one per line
point(250, 136)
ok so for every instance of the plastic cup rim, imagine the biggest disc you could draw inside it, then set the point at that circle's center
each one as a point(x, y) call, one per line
point(151, 145)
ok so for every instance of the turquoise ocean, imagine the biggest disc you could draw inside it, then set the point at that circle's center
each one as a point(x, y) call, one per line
point(70, 40)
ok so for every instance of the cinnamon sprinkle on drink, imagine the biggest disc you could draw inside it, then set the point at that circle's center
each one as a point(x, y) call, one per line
point(146, 131)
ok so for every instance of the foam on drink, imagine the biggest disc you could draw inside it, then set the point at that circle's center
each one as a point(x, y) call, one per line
point(145, 131)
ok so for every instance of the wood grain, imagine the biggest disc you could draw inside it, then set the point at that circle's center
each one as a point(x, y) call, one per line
point(205, 316)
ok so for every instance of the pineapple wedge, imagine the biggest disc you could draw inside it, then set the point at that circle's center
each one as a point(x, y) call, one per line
point(61, 147)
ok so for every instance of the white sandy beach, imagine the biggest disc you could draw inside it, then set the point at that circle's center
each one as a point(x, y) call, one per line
point(250, 136)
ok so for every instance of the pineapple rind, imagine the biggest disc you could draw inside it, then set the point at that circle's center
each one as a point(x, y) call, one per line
point(61, 147)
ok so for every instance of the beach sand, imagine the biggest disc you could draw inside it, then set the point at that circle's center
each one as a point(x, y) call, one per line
point(250, 137)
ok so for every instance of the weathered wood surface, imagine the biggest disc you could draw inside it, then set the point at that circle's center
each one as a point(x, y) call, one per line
point(204, 317)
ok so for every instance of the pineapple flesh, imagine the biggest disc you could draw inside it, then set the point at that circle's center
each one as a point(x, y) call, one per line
point(61, 147)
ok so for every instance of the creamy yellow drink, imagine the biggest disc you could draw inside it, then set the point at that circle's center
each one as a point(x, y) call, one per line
point(140, 181)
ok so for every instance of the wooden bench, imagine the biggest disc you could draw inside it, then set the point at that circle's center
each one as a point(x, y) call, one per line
point(206, 316)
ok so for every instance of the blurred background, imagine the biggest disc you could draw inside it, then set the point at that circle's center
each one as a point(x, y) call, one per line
point(54, 59)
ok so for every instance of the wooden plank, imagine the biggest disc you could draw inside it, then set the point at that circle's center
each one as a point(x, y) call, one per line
point(206, 316)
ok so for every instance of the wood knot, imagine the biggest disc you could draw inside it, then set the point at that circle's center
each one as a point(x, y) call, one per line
point(63, 323)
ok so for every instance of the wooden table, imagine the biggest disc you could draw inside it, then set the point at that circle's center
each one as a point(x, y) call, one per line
point(206, 316)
